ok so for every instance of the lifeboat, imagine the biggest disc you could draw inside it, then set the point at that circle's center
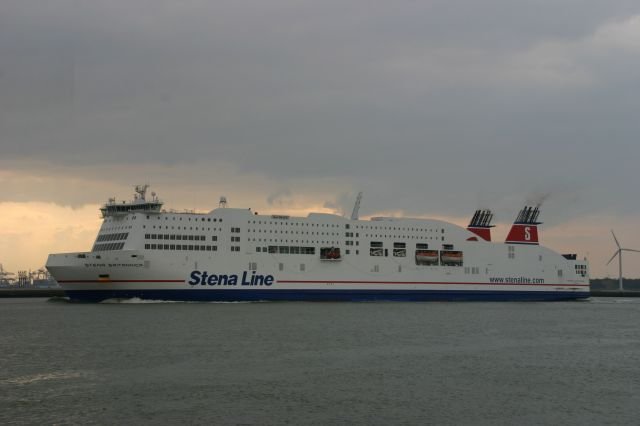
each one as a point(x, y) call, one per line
point(330, 253)
point(450, 257)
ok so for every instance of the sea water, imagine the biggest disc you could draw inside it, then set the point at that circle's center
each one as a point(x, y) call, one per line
point(134, 362)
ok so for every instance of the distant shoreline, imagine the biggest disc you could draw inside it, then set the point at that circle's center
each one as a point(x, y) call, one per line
point(31, 292)
point(615, 293)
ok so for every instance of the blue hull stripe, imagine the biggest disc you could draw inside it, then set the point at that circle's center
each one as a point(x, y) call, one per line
point(195, 295)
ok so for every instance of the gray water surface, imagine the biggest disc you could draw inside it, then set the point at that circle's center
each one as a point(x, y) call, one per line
point(570, 363)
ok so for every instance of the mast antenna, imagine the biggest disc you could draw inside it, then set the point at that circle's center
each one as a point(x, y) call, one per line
point(141, 191)
point(356, 207)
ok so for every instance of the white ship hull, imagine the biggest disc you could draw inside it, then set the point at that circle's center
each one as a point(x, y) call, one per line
point(234, 255)
point(148, 276)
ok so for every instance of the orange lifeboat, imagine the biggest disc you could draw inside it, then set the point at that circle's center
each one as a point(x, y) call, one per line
point(426, 257)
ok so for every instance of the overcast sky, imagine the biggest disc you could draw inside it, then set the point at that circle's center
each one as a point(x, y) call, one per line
point(432, 108)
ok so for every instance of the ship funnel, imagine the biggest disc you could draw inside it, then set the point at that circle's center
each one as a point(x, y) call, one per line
point(525, 228)
point(481, 225)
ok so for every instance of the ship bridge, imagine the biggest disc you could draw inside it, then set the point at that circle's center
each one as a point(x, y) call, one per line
point(138, 204)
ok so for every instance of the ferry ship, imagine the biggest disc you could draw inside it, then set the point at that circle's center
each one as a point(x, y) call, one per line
point(235, 254)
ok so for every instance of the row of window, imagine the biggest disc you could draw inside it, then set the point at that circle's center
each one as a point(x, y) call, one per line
point(275, 231)
point(397, 228)
point(275, 240)
point(185, 228)
point(286, 250)
point(408, 237)
point(112, 237)
point(178, 237)
point(318, 225)
point(195, 219)
point(347, 226)
point(322, 225)
point(109, 246)
point(180, 247)
point(115, 228)
point(347, 234)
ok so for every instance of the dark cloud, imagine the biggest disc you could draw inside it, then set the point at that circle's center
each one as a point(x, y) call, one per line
point(434, 106)
point(279, 198)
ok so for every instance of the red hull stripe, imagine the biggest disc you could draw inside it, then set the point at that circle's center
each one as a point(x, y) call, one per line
point(426, 283)
point(338, 282)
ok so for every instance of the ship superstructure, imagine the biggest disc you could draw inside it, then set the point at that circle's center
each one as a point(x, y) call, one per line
point(234, 254)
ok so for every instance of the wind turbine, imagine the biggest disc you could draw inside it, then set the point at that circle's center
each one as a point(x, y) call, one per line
point(619, 254)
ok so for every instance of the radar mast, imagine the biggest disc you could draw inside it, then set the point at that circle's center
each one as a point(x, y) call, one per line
point(356, 207)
